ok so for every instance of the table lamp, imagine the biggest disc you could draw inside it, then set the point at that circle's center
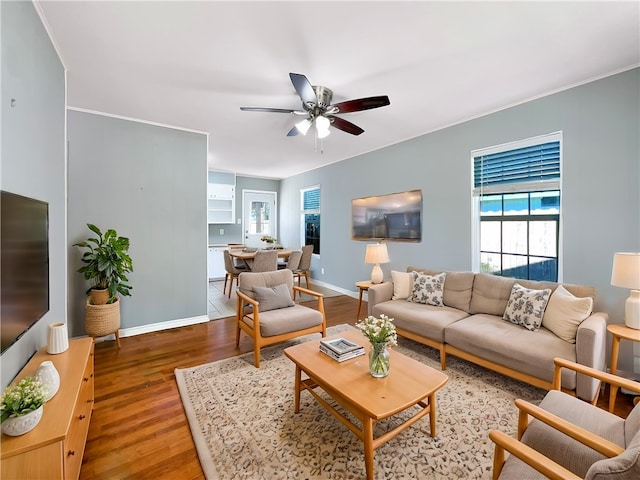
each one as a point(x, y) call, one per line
point(626, 274)
point(376, 253)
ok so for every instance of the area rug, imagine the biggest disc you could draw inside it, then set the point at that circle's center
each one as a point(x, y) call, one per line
point(244, 427)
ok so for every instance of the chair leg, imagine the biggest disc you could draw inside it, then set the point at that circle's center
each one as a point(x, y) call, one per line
point(256, 354)
point(226, 277)
point(306, 278)
point(231, 285)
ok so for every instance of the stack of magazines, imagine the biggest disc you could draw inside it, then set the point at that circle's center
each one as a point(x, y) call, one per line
point(341, 349)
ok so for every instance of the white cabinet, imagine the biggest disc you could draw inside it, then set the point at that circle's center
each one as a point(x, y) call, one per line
point(221, 198)
point(215, 262)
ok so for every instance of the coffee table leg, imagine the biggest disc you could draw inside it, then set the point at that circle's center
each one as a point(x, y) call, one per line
point(432, 413)
point(297, 387)
point(368, 447)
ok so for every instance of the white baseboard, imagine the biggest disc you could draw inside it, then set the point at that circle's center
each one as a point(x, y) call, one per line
point(155, 327)
point(344, 291)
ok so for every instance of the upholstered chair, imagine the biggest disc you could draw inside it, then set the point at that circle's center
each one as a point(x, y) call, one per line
point(293, 261)
point(304, 267)
point(267, 313)
point(569, 438)
point(265, 261)
point(231, 271)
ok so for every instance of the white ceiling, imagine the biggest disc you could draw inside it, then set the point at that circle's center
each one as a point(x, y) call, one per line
point(193, 64)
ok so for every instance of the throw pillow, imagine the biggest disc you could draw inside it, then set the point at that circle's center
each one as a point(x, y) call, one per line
point(427, 289)
point(401, 285)
point(565, 312)
point(272, 298)
point(525, 306)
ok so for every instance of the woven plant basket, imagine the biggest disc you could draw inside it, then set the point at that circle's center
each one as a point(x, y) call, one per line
point(102, 320)
point(99, 296)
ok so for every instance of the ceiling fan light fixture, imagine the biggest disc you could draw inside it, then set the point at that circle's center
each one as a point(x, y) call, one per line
point(322, 126)
point(303, 126)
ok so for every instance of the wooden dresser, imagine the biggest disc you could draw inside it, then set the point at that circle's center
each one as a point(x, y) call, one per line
point(54, 448)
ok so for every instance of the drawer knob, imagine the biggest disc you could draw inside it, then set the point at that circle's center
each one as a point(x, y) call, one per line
point(71, 452)
point(81, 417)
point(86, 379)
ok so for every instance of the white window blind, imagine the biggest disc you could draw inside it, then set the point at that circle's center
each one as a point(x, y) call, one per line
point(534, 167)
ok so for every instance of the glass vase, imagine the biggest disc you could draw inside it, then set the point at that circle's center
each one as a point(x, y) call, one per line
point(379, 360)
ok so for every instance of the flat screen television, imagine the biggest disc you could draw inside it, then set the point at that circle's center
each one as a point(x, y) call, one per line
point(24, 265)
point(396, 216)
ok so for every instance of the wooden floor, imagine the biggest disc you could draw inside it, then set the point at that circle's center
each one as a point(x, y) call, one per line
point(138, 428)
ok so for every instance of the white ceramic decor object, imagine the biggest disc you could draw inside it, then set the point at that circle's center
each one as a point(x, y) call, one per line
point(58, 338)
point(15, 426)
point(49, 377)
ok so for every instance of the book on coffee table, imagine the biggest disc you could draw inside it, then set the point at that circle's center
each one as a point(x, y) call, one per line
point(341, 349)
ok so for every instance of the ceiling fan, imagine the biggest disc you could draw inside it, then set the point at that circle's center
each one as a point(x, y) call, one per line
point(317, 108)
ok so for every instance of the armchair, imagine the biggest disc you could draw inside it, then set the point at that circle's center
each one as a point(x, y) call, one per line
point(266, 312)
point(569, 438)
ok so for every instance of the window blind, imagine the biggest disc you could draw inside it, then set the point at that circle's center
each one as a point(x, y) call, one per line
point(531, 168)
point(311, 200)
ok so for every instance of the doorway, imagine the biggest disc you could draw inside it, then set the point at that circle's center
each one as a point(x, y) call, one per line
point(259, 216)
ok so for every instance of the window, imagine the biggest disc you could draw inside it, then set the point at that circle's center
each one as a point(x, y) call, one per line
point(310, 223)
point(517, 208)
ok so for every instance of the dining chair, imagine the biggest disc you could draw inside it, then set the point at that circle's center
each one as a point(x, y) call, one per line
point(569, 438)
point(293, 261)
point(236, 261)
point(266, 312)
point(231, 271)
point(265, 261)
point(304, 267)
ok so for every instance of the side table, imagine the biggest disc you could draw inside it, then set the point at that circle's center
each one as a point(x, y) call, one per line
point(363, 286)
point(618, 332)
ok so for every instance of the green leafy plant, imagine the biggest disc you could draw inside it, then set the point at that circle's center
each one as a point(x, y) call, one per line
point(106, 262)
point(379, 330)
point(268, 239)
point(25, 397)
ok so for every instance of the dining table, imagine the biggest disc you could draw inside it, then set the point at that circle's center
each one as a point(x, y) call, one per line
point(245, 254)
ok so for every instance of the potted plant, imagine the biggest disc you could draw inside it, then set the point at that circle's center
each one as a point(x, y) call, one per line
point(22, 406)
point(106, 263)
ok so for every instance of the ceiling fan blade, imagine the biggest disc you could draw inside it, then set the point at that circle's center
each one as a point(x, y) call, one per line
point(344, 125)
point(361, 104)
point(304, 88)
point(266, 109)
point(293, 132)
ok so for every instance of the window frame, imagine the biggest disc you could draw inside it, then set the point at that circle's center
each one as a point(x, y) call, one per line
point(304, 213)
point(528, 187)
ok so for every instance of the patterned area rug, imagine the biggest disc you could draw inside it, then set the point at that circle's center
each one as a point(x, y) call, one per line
point(243, 424)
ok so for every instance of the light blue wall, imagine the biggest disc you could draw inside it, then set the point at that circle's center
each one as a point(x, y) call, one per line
point(600, 122)
point(149, 183)
point(33, 161)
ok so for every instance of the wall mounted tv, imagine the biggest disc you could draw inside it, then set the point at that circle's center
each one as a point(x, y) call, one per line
point(397, 216)
point(24, 265)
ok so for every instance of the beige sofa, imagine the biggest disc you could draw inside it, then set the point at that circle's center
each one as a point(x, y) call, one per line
point(470, 325)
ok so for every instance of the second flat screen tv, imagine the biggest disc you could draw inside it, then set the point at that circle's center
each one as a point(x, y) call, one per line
point(397, 216)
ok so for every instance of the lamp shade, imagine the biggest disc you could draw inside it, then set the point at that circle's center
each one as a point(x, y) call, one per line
point(376, 254)
point(626, 270)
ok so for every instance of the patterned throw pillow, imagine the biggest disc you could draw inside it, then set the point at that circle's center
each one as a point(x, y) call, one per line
point(526, 307)
point(427, 289)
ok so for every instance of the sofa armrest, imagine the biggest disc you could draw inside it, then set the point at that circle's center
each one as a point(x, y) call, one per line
point(591, 350)
point(379, 293)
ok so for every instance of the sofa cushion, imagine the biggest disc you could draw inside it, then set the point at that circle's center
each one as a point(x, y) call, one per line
point(457, 287)
point(402, 284)
point(428, 289)
point(526, 307)
point(490, 294)
point(272, 298)
point(491, 338)
point(565, 312)
point(424, 320)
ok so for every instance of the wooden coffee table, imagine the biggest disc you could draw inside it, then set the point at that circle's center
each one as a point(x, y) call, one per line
point(409, 384)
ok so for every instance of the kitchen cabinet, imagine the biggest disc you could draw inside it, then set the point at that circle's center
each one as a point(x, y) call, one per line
point(215, 262)
point(221, 197)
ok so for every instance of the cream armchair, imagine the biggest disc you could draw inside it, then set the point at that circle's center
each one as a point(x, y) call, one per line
point(569, 438)
point(266, 312)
